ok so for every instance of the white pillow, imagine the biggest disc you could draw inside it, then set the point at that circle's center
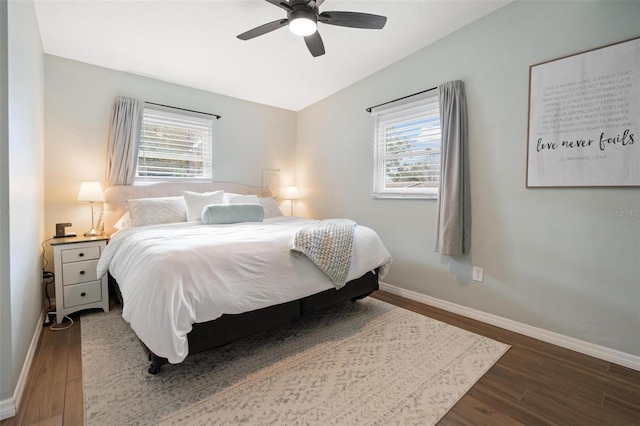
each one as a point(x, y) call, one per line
point(241, 199)
point(124, 222)
point(270, 207)
point(196, 201)
point(154, 211)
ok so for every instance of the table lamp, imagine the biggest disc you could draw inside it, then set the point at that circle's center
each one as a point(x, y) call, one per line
point(91, 192)
point(291, 193)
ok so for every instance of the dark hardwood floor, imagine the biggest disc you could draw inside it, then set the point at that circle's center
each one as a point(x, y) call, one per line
point(534, 383)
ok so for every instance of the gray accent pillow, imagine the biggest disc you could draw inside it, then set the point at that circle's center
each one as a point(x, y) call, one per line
point(232, 213)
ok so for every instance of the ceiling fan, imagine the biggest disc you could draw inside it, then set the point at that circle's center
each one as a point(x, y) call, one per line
point(303, 17)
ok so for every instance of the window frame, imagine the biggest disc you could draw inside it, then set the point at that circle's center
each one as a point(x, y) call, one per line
point(407, 110)
point(204, 120)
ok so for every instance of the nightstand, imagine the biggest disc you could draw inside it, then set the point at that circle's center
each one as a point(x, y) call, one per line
point(77, 284)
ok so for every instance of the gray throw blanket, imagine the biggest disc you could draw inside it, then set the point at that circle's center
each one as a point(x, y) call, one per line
point(328, 244)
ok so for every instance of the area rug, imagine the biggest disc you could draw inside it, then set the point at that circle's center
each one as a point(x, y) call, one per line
point(357, 363)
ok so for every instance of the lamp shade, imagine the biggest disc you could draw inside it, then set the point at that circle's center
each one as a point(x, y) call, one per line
point(91, 192)
point(291, 193)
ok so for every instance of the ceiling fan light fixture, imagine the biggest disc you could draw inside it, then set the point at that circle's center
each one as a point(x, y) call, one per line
point(302, 27)
point(302, 20)
point(302, 23)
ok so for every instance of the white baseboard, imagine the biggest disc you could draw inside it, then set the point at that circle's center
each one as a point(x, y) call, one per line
point(591, 349)
point(9, 407)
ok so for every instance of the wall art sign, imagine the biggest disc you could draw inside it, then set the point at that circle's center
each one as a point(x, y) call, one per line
point(584, 119)
point(271, 180)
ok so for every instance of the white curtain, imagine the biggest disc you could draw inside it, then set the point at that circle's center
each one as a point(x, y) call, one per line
point(124, 140)
point(453, 214)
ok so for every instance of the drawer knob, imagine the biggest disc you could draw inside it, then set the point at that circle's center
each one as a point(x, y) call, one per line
point(81, 255)
point(83, 294)
point(81, 272)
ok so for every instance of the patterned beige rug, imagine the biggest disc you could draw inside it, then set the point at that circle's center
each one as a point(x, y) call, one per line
point(358, 363)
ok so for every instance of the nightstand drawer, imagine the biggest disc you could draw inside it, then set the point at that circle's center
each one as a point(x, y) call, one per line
point(81, 294)
point(76, 255)
point(79, 272)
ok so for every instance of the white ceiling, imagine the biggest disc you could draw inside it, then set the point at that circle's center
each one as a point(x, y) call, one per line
point(193, 42)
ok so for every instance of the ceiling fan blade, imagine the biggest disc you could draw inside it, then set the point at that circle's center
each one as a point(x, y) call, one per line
point(353, 20)
point(281, 4)
point(315, 44)
point(263, 29)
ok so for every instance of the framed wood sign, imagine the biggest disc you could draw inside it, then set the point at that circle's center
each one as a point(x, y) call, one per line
point(271, 180)
point(584, 119)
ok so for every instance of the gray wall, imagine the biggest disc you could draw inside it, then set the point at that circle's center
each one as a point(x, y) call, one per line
point(21, 193)
point(6, 369)
point(248, 138)
point(552, 257)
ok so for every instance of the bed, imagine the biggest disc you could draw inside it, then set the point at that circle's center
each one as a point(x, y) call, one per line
point(188, 286)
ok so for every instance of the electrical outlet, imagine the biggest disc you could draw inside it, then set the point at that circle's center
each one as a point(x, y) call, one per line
point(478, 274)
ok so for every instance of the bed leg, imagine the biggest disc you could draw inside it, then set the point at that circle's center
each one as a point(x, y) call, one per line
point(154, 368)
point(156, 363)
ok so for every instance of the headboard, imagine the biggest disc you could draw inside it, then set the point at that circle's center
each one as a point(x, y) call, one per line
point(115, 196)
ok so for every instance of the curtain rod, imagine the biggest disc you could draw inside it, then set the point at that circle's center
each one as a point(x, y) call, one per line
point(399, 99)
point(218, 117)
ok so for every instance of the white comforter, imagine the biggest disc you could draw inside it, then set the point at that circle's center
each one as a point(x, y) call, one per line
point(174, 275)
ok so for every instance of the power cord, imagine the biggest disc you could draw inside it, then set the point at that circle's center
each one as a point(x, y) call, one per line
point(45, 262)
point(54, 328)
point(49, 318)
point(47, 275)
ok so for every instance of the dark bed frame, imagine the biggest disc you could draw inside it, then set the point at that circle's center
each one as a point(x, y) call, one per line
point(228, 328)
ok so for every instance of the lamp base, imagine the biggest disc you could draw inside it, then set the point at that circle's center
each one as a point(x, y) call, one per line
point(92, 233)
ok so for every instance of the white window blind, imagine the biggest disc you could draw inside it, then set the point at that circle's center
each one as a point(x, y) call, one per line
point(175, 145)
point(407, 148)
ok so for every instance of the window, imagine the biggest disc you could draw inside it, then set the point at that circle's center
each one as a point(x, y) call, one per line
point(175, 145)
point(407, 148)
